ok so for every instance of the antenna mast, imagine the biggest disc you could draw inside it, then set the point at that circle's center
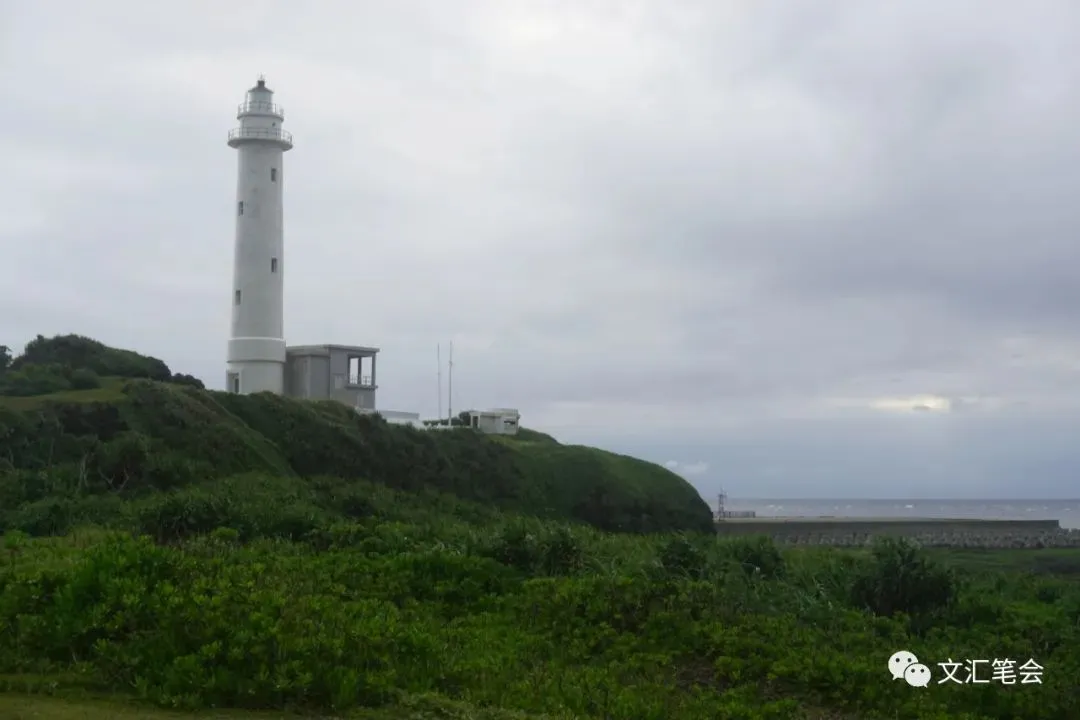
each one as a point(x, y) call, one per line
point(438, 361)
point(450, 386)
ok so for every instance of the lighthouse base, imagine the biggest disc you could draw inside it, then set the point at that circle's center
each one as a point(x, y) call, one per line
point(255, 365)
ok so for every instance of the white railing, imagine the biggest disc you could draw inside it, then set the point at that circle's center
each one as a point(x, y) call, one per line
point(262, 108)
point(260, 134)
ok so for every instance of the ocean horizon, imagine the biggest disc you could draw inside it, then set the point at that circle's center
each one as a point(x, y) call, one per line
point(1067, 512)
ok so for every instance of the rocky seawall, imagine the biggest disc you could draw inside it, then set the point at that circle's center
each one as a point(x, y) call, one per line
point(944, 539)
point(858, 532)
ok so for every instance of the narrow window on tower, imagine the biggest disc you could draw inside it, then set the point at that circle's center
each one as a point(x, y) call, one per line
point(240, 208)
point(273, 265)
point(236, 298)
point(273, 174)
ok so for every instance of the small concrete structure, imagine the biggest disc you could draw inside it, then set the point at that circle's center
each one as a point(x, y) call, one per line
point(497, 421)
point(722, 513)
point(345, 373)
point(397, 417)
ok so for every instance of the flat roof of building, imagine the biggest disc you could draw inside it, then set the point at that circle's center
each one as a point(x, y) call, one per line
point(328, 348)
point(399, 414)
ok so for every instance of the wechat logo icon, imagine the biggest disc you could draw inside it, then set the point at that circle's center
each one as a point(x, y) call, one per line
point(904, 665)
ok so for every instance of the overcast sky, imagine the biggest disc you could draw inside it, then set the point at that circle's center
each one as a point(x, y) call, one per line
point(796, 249)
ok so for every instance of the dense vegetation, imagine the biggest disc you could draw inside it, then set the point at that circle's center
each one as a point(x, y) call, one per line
point(194, 550)
point(130, 437)
point(71, 362)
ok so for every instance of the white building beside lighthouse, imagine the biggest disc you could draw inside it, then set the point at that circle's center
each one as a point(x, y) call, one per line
point(256, 353)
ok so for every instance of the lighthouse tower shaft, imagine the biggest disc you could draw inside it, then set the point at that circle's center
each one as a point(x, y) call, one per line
point(256, 353)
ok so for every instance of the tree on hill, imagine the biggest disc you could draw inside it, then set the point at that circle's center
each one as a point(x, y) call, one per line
point(190, 380)
point(74, 362)
point(76, 351)
point(35, 380)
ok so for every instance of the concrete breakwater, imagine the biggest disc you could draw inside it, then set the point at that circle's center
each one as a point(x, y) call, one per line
point(929, 532)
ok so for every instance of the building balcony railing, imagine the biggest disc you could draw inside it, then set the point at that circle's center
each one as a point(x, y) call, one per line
point(360, 380)
point(261, 108)
point(278, 134)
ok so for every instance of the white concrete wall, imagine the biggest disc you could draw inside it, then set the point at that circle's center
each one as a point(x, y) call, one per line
point(400, 417)
point(494, 422)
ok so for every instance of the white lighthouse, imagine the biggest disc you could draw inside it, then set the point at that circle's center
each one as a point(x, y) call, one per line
point(256, 355)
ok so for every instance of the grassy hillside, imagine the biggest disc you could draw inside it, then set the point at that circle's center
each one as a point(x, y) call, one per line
point(128, 436)
point(144, 435)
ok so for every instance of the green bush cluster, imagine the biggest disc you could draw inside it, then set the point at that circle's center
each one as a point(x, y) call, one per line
point(43, 379)
point(73, 362)
point(289, 593)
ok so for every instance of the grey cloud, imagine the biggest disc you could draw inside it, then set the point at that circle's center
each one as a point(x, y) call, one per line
point(717, 221)
point(916, 457)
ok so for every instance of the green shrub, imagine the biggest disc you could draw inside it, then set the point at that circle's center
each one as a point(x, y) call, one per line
point(900, 578)
point(48, 516)
point(682, 556)
point(518, 547)
point(34, 380)
point(188, 380)
point(254, 506)
point(84, 379)
point(561, 552)
point(77, 352)
point(756, 555)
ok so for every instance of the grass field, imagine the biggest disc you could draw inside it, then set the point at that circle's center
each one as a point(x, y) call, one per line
point(111, 390)
point(15, 706)
point(1060, 562)
point(26, 707)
